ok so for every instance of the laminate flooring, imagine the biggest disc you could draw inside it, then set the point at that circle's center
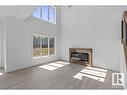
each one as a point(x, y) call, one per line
point(58, 75)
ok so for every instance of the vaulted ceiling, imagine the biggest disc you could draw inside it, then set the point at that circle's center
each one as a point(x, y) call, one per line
point(21, 12)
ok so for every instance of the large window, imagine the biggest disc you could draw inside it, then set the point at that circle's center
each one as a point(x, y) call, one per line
point(43, 45)
point(47, 13)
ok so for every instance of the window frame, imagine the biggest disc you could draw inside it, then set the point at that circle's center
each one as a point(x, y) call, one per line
point(53, 46)
point(35, 44)
point(48, 36)
point(55, 20)
point(54, 13)
point(41, 45)
point(39, 12)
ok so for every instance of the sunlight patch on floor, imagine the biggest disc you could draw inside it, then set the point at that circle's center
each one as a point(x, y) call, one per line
point(54, 65)
point(80, 75)
point(92, 73)
point(61, 62)
point(97, 69)
point(1, 73)
point(48, 67)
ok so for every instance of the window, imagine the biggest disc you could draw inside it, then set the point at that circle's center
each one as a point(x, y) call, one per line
point(43, 45)
point(51, 45)
point(36, 45)
point(47, 13)
point(52, 14)
point(37, 13)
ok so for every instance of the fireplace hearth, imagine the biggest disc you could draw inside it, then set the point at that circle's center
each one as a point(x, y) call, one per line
point(82, 56)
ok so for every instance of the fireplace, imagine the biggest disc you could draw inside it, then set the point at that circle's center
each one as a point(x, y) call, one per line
point(82, 56)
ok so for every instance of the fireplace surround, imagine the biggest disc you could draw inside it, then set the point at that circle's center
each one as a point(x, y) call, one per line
point(82, 56)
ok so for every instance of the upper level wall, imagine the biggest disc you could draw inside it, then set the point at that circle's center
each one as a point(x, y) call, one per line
point(19, 41)
point(21, 12)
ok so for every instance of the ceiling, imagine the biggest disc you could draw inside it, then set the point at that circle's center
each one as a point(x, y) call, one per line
point(21, 12)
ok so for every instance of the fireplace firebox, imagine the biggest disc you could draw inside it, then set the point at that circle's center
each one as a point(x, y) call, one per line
point(81, 56)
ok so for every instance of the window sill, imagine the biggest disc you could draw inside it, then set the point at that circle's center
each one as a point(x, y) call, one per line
point(53, 23)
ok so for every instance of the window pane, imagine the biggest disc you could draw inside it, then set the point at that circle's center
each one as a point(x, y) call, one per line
point(52, 17)
point(37, 13)
point(44, 47)
point(51, 45)
point(45, 13)
point(36, 46)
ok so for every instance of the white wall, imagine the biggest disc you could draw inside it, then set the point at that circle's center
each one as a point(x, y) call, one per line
point(2, 42)
point(21, 12)
point(19, 41)
point(96, 27)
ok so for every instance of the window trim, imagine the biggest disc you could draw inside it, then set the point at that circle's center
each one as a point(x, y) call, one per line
point(44, 35)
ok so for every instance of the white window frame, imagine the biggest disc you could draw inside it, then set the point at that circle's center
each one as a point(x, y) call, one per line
point(54, 13)
point(43, 35)
point(54, 45)
point(48, 14)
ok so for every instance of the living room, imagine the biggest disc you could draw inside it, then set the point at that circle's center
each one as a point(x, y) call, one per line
point(36, 40)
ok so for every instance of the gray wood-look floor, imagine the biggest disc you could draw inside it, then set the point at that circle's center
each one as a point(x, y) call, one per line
point(60, 78)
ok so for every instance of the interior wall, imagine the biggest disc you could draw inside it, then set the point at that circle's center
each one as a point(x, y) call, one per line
point(19, 41)
point(2, 44)
point(96, 27)
point(21, 12)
